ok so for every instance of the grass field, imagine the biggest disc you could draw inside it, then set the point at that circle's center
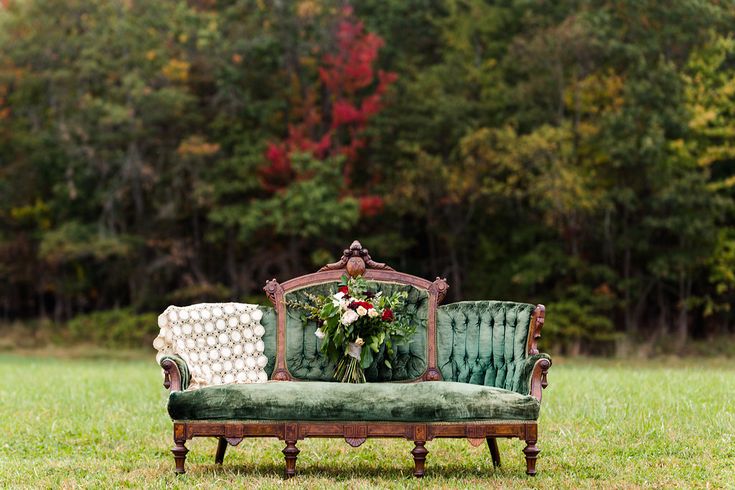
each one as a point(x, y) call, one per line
point(604, 424)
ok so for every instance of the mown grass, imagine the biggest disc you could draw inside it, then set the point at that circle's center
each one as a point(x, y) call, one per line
point(88, 423)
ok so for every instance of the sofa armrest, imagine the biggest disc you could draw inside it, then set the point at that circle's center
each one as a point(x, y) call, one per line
point(532, 379)
point(176, 372)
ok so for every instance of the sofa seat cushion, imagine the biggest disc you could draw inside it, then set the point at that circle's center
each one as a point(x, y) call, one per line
point(431, 401)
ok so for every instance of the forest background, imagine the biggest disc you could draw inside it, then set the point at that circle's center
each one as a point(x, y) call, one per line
point(579, 154)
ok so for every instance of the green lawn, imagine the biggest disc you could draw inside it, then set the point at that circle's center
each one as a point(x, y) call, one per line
point(88, 423)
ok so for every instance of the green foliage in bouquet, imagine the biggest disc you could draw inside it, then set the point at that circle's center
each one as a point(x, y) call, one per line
point(354, 323)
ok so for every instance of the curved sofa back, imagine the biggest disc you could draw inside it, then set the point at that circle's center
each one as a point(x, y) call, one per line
point(478, 342)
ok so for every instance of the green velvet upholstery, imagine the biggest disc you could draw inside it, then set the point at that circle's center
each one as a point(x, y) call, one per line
point(305, 360)
point(183, 368)
point(484, 343)
point(432, 401)
point(270, 323)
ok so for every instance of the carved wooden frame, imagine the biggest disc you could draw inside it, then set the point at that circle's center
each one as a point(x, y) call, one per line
point(356, 261)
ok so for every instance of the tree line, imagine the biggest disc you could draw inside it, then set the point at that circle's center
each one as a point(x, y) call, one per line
point(576, 153)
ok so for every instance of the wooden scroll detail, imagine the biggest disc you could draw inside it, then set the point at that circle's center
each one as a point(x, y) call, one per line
point(355, 260)
point(274, 291)
point(271, 288)
point(538, 377)
point(437, 291)
point(439, 287)
point(534, 330)
point(171, 376)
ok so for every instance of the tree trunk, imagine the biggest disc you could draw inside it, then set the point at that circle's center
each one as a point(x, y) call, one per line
point(631, 325)
point(231, 265)
point(434, 268)
point(682, 320)
point(661, 327)
point(41, 302)
point(575, 349)
point(456, 271)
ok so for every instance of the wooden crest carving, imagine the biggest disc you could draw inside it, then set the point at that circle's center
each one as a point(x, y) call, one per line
point(355, 260)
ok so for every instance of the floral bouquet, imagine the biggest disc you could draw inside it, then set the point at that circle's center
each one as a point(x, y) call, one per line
point(354, 323)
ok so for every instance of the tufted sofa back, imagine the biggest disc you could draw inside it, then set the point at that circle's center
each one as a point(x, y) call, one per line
point(304, 358)
point(483, 342)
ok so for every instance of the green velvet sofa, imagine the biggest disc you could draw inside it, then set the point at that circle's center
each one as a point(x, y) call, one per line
point(472, 370)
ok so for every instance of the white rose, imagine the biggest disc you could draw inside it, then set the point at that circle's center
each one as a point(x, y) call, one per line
point(339, 295)
point(361, 311)
point(372, 313)
point(348, 317)
point(319, 333)
point(344, 304)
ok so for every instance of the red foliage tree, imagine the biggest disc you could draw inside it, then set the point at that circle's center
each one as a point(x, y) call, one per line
point(354, 94)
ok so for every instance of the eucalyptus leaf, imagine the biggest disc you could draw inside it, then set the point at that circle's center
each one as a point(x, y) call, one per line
point(366, 358)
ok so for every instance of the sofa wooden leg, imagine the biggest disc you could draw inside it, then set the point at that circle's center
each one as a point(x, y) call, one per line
point(221, 448)
point(179, 451)
point(419, 458)
point(492, 443)
point(531, 452)
point(291, 452)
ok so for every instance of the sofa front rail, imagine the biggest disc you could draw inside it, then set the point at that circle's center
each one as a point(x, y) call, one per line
point(355, 433)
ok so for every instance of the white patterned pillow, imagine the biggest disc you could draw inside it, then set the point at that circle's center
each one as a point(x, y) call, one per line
point(220, 342)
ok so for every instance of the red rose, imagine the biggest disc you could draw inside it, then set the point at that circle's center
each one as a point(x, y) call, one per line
point(387, 315)
point(344, 289)
point(356, 304)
